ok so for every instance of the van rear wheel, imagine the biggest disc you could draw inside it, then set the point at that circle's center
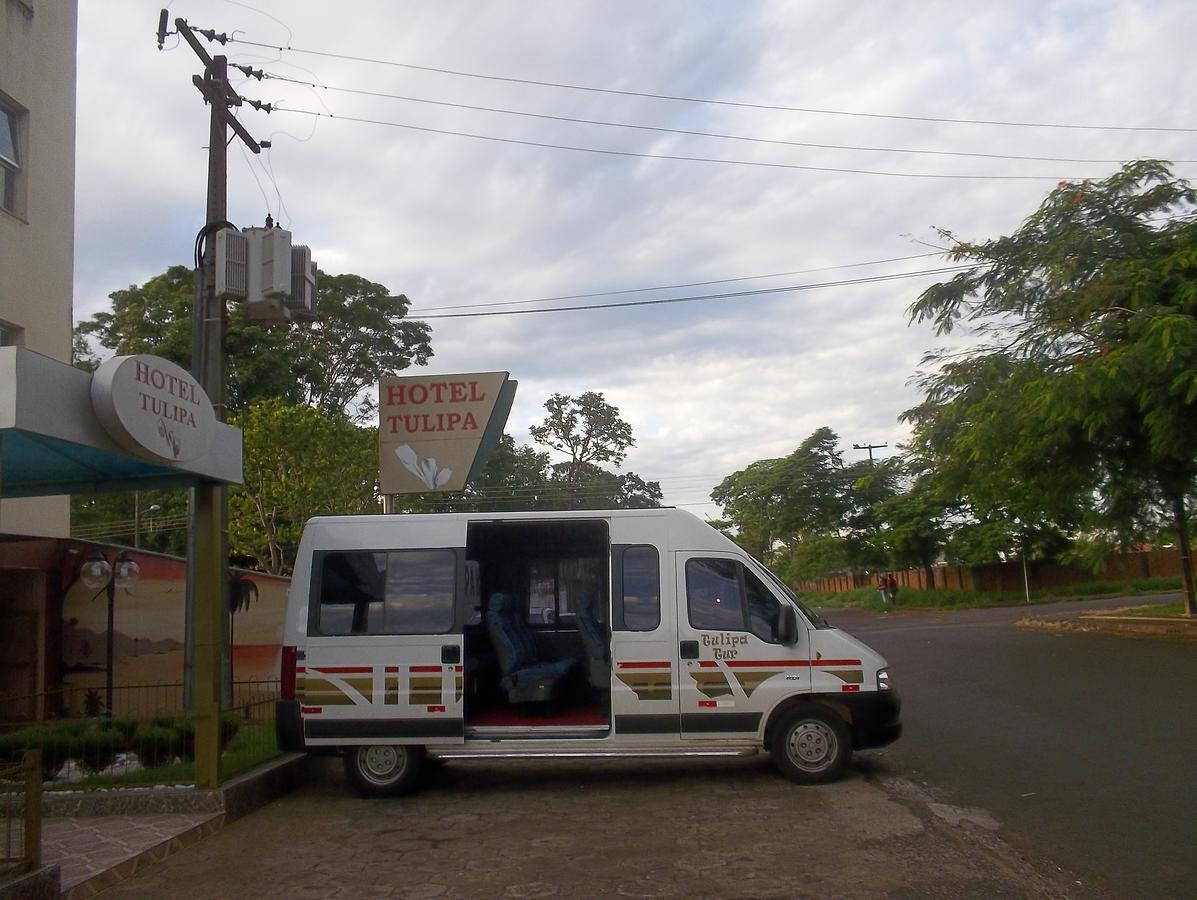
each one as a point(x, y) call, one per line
point(383, 770)
point(811, 745)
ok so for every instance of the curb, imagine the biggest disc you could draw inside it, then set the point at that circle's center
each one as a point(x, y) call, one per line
point(241, 795)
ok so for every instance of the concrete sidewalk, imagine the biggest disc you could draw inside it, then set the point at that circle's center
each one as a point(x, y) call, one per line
point(97, 852)
point(100, 838)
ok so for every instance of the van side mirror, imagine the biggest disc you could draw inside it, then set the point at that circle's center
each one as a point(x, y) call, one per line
point(787, 627)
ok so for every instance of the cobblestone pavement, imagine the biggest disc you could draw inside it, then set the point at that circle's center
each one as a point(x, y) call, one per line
point(657, 828)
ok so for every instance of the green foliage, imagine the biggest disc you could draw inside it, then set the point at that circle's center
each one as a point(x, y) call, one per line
point(1079, 409)
point(156, 745)
point(589, 430)
point(362, 334)
point(96, 749)
point(811, 514)
point(299, 463)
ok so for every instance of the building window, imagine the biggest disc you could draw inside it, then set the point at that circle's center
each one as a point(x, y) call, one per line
point(10, 157)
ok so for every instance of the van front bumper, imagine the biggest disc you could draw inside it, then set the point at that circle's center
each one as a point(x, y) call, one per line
point(876, 718)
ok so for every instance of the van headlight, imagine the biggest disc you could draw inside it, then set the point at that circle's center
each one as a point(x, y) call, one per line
point(883, 680)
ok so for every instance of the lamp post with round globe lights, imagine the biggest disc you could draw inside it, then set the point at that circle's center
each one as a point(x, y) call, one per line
point(99, 574)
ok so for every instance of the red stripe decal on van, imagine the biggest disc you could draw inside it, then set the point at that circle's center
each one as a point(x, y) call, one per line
point(850, 688)
point(644, 665)
point(425, 668)
point(436, 709)
point(310, 710)
point(708, 704)
point(345, 670)
point(457, 668)
point(392, 669)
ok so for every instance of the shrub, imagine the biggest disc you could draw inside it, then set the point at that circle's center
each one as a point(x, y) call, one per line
point(126, 728)
point(96, 749)
point(156, 745)
point(230, 724)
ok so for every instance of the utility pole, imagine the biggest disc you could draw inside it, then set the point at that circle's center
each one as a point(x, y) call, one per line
point(207, 639)
point(870, 448)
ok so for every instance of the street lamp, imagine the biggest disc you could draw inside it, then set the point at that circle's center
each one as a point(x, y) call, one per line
point(100, 575)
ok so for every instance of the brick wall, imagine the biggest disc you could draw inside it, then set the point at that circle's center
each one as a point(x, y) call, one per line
point(1008, 576)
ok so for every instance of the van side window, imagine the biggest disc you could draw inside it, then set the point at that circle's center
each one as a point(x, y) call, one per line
point(713, 594)
point(724, 595)
point(400, 592)
point(764, 610)
point(554, 586)
point(641, 589)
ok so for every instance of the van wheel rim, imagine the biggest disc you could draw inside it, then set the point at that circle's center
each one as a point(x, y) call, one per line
point(812, 745)
point(381, 764)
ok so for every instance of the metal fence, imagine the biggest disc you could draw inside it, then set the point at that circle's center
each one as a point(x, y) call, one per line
point(21, 814)
point(149, 729)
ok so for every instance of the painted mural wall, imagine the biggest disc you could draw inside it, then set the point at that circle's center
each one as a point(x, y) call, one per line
point(148, 639)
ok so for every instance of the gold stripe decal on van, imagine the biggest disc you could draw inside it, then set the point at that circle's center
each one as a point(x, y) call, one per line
point(848, 676)
point(426, 691)
point(319, 692)
point(712, 684)
point(750, 681)
point(648, 685)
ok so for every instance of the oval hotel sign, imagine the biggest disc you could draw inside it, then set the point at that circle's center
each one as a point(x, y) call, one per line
point(154, 408)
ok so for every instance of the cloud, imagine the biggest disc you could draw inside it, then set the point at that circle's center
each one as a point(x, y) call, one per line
point(708, 386)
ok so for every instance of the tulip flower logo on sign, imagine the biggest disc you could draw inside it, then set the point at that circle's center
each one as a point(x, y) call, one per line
point(431, 428)
point(154, 408)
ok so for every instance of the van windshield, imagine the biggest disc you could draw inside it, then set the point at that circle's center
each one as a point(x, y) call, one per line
point(813, 617)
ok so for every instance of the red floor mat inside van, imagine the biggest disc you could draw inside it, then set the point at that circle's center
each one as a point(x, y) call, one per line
point(500, 716)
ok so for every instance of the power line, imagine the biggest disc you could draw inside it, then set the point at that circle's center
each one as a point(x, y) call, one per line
point(704, 100)
point(675, 157)
point(693, 133)
point(670, 287)
point(696, 297)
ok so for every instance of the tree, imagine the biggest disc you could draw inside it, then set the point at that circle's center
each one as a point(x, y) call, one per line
point(589, 431)
point(299, 463)
point(810, 502)
point(1089, 316)
point(361, 334)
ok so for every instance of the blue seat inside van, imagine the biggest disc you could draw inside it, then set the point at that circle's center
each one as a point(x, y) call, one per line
point(526, 676)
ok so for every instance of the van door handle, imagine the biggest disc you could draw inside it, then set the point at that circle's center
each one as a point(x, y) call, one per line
point(689, 650)
point(450, 654)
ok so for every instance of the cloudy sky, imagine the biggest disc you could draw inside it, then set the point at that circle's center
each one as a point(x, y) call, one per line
point(455, 222)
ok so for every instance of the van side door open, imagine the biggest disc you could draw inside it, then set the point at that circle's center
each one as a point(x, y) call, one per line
point(741, 648)
point(384, 650)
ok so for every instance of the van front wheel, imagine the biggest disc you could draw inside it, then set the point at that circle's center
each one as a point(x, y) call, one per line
point(811, 745)
point(383, 770)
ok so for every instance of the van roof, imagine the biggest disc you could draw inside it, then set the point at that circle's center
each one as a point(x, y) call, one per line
point(685, 529)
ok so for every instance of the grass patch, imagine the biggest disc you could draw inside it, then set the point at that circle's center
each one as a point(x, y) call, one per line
point(952, 598)
point(1160, 609)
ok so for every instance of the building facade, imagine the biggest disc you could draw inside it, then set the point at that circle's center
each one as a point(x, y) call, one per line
point(37, 204)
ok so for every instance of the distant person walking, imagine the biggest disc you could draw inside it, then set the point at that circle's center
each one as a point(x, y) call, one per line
point(891, 588)
point(883, 588)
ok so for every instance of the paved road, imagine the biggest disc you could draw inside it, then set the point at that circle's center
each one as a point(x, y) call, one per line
point(1084, 747)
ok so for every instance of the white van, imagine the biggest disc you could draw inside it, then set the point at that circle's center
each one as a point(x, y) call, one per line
point(581, 633)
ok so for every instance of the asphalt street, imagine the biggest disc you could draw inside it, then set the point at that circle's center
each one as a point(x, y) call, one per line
point(1081, 746)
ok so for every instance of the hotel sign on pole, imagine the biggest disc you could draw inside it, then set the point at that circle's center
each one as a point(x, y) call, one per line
point(436, 431)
